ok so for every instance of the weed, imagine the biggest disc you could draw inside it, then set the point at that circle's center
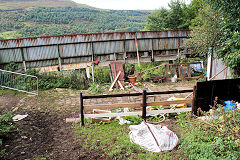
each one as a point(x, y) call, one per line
point(95, 88)
point(217, 138)
point(6, 126)
point(114, 139)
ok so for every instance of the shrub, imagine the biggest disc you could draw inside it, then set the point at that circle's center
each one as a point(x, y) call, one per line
point(217, 138)
point(65, 79)
point(101, 75)
point(6, 126)
point(95, 88)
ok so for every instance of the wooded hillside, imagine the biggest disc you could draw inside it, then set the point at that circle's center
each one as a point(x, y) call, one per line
point(65, 17)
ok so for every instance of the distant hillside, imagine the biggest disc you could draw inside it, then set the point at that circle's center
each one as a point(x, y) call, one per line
point(23, 4)
point(32, 18)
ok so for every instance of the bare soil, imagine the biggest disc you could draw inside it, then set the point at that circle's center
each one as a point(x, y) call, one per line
point(45, 134)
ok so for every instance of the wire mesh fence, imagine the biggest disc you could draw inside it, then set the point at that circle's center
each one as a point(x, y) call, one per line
point(19, 82)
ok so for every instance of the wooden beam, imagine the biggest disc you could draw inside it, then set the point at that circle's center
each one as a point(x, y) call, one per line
point(144, 104)
point(81, 109)
point(59, 58)
point(112, 106)
point(162, 103)
point(23, 58)
point(138, 57)
point(137, 94)
point(133, 105)
point(115, 80)
point(153, 112)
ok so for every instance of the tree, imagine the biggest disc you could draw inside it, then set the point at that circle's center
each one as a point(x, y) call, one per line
point(217, 26)
point(179, 16)
point(205, 32)
point(230, 27)
point(157, 20)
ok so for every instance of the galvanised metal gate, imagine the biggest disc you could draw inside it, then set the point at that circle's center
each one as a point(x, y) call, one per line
point(19, 82)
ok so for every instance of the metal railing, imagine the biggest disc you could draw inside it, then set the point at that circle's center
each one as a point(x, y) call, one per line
point(19, 82)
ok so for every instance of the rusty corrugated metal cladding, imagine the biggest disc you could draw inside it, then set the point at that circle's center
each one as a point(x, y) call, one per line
point(46, 51)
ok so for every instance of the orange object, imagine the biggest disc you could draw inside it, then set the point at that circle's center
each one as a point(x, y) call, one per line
point(132, 79)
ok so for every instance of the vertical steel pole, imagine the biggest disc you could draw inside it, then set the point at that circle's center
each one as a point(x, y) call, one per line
point(81, 109)
point(144, 104)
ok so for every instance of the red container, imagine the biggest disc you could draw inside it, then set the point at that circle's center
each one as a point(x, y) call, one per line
point(132, 78)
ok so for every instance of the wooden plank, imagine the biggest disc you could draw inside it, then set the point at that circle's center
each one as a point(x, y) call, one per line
point(133, 105)
point(110, 73)
point(113, 106)
point(137, 94)
point(153, 112)
point(119, 83)
point(115, 80)
point(188, 101)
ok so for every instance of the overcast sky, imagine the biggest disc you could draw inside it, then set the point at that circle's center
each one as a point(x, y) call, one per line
point(127, 4)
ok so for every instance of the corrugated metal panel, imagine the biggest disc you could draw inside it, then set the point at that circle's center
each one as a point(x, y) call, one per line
point(144, 45)
point(40, 53)
point(217, 66)
point(83, 49)
point(48, 40)
point(76, 60)
point(10, 55)
point(68, 50)
point(130, 46)
point(45, 49)
point(41, 63)
point(108, 47)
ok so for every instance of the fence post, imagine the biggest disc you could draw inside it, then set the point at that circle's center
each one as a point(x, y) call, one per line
point(81, 109)
point(144, 104)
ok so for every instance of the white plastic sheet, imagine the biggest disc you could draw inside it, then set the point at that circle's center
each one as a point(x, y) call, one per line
point(154, 138)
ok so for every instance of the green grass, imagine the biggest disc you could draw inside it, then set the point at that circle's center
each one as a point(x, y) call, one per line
point(10, 34)
point(217, 138)
point(4, 91)
point(114, 140)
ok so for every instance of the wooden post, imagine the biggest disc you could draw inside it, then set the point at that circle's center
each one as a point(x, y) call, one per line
point(59, 59)
point(92, 61)
point(152, 56)
point(23, 58)
point(144, 104)
point(194, 101)
point(81, 109)
point(139, 65)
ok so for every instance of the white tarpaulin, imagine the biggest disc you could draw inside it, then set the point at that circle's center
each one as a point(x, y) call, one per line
point(154, 138)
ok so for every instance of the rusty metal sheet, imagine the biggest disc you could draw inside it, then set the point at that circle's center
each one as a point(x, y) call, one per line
point(11, 55)
point(37, 64)
point(76, 60)
point(40, 53)
point(108, 47)
point(83, 49)
point(49, 40)
point(46, 50)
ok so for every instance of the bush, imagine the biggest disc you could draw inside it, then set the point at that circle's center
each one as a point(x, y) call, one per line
point(65, 79)
point(101, 75)
point(6, 126)
point(95, 88)
point(212, 139)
